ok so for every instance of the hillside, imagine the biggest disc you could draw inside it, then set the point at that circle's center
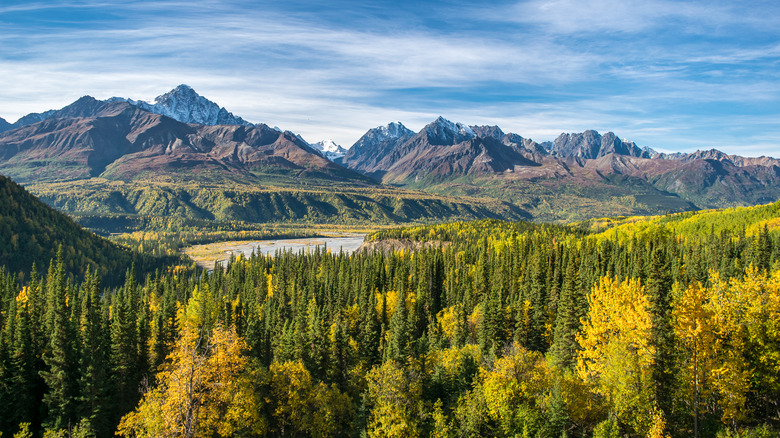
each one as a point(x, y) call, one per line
point(750, 221)
point(31, 232)
point(275, 204)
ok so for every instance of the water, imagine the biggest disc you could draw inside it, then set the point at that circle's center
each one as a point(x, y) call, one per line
point(208, 254)
point(348, 244)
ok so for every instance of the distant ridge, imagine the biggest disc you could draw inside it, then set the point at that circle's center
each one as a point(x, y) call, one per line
point(185, 138)
point(455, 158)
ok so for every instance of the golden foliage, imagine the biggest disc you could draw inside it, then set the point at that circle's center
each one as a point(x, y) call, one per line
point(521, 376)
point(616, 355)
point(396, 402)
point(300, 405)
point(204, 391)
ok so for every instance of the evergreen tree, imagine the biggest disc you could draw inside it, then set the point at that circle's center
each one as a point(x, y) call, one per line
point(370, 334)
point(658, 288)
point(93, 382)
point(59, 374)
point(567, 322)
point(124, 349)
point(23, 362)
point(398, 345)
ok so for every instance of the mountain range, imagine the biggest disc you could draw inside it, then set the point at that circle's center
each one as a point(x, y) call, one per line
point(116, 139)
point(557, 179)
point(185, 139)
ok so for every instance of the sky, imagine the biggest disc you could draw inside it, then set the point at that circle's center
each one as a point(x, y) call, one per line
point(672, 75)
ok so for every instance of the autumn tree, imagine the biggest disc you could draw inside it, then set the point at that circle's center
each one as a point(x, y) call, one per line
point(694, 326)
point(205, 390)
point(394, 400)
point(301, 406)
point(616, 355)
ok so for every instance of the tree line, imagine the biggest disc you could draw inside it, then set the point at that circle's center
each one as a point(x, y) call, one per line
point(500, 330)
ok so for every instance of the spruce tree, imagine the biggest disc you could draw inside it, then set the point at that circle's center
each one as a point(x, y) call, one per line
point(400, 339)
point(567, 322)
point(23, 362)
point(659, 284)
point(59, 374)
point(124, 349)
point(93, 381)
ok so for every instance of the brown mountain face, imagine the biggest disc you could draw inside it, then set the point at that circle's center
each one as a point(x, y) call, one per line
point(442, 150)
point(584, 165)
point(364, 156)
point(477, 156)
point(117, 140)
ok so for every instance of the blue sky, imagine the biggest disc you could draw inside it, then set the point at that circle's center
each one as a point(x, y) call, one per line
point(673, 75)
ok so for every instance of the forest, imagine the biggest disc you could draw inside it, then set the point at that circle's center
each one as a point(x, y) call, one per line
point(630, 327)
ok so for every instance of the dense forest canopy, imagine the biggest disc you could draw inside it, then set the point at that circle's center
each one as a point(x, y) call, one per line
point(493, 329)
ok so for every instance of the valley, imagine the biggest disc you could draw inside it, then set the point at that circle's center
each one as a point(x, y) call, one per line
point(186, 157)
point(503, 287)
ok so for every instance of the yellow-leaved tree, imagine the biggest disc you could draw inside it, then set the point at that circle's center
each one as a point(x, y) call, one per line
point(521, 377)
point(694, 326)
point(616, 355)
point(747, 330)
point(302, 407)
point(395, 402)
point(731, 375)
point(205, 390)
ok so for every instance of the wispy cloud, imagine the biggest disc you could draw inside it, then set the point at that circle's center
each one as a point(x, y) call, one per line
point(634, 16)
point(654, 71)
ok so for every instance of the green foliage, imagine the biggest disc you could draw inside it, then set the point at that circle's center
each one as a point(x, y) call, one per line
point(31, 232)
point(562, 199)
point(606, 429)
point(476, 334)
point(251, 203)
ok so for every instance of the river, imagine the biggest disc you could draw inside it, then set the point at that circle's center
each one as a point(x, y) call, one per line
point(220, 252)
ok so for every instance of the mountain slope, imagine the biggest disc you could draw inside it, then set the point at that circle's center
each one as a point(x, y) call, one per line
point(576, 176)
point(118, 140)
point(266, 204)
point(364, 156)
point(442, 149)
point(31, 232)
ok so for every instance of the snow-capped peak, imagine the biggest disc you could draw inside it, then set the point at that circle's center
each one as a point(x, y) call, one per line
point(458, 128)
point(443, 131)
point(390, 131)
point(185, 105)
point(329, 149)
point(395, 130)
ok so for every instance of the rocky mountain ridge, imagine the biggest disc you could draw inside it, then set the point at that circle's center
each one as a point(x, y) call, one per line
point(196, 140)
point(118, 140)
point(185, 105)
point(443, 153)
